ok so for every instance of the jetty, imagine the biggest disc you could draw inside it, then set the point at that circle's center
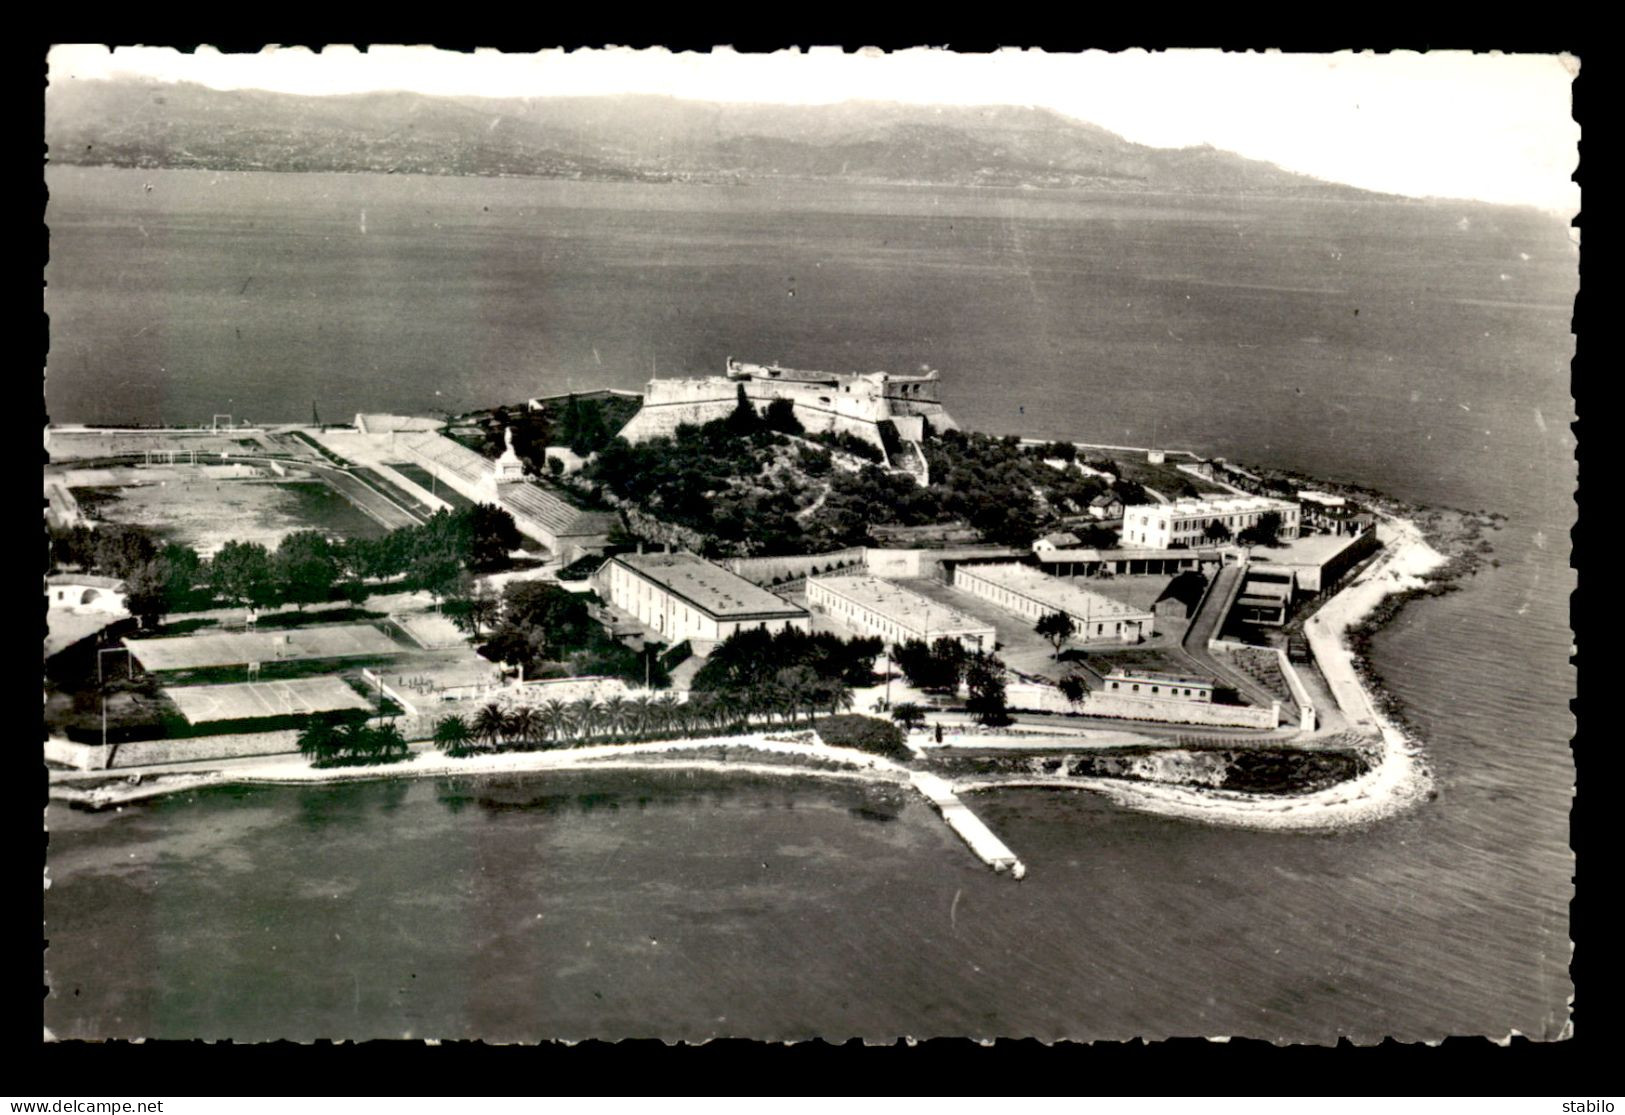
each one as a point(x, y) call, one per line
point(988, 848)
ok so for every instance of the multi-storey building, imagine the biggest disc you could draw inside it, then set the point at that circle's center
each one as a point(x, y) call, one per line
point(1184, 522)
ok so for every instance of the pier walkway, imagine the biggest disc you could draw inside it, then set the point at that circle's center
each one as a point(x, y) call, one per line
point(988, 848)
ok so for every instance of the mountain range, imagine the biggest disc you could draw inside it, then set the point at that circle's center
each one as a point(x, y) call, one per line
point(137, 122)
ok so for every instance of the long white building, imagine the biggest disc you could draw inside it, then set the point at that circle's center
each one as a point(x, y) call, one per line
point(1183, 522)
point(875, 607)
point(682, 596)
point(1029, 593)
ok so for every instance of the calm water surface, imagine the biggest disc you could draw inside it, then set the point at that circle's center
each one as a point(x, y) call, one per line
point(1419, 349)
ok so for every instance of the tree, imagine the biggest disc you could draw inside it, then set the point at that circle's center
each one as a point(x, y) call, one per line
point(1057, 627)
point(554, 619)
point(318, 739)
point(800, 687)
point(1075, 688)
point(525, 725)
point(585, 716)
point(616, 711)
point(743, 420)
point(241, 572)
point(908, 715)
point(837, 695)
point(1264, 532)
point(146, 593)
point(937, 667)
point(490, 725)
point(475, 608)
point(781, 416)
point(387, 743)
point(492, 537)
point(1216, 531)
point(304, 568)
point(984, 679)
point(119, 550)
point(451, 733)
point(180, 567)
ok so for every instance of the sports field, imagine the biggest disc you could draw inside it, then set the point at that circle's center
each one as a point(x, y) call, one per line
point(191, 652)
point(256, 699)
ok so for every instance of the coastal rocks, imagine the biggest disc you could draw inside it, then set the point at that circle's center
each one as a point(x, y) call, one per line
point(1270, 771)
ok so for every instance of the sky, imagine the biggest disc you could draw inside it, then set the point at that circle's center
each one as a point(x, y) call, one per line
point(1493, 127)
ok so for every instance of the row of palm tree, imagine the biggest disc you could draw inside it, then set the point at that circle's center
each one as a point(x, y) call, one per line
point(322, 740)
point(620, 719)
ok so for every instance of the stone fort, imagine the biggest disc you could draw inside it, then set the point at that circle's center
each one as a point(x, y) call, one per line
point(824, 401)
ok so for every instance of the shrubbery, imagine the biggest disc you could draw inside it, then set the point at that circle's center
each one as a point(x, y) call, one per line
point(863, 733)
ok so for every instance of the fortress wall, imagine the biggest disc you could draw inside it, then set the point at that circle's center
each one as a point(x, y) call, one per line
point(933, 413)
point(761, 571)
point(1047, 698)
point(852, 405)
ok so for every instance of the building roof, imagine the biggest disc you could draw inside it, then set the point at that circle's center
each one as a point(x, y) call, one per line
point(1216, 505)
point(710, 588)
point(1055, 592)
point(1310, 549)
point(902, 606)
point(85, 580)
point(1062, 538)
point(1105, 499)
point(1089, 554)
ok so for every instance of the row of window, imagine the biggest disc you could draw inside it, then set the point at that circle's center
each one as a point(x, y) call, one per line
point(1173, 690)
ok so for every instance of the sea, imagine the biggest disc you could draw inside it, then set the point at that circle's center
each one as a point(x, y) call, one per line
point(1418, 348)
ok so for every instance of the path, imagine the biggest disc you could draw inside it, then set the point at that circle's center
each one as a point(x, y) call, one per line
point(1206, 624)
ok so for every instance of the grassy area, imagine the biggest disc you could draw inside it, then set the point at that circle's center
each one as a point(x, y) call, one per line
point(322, 507)
point(425, 480)
point(392, 491)
point(1165, 478)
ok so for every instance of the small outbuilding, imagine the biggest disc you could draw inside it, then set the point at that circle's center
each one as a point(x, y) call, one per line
point(1106, 506)
point(85, 593)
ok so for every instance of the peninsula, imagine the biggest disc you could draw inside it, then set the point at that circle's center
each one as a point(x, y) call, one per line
point(767, 570)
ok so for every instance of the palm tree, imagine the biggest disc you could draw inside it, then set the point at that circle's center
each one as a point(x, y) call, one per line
point(354, 740)
point(556, 720)
point(387, 741)
point(616, 714)
point(642, 714)
point(586, 716)
point(701, 708)
point(525, 725)
point(317, 739)
point(797, 683)
point(490, 725)
point(451, 733)
point(667, 712)
point(838, 695)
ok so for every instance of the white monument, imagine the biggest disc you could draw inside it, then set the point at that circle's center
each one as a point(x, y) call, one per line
point(509, 467)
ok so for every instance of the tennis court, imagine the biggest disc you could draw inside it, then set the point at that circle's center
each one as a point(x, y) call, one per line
point(230, 648)
point(255, 699)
